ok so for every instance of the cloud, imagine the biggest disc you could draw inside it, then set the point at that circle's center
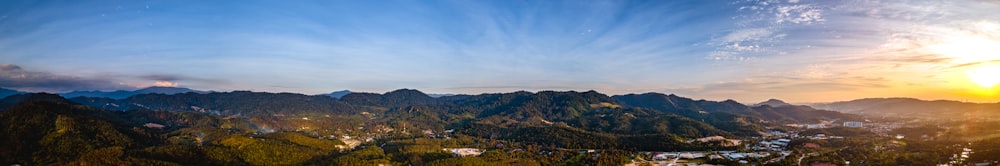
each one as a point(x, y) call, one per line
point(761, 25)
point(165, 84)
point(9, 67)
point(14, 77)
point(749, 40)
point(171, 79)
point(161, 77)
point(974, 64)
point(752, 34)
point(935, 35)
point(798, 14)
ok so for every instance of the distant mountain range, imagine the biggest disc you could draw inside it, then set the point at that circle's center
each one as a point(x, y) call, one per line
point(772, 103)
point(8, 92)
point(338, 94)
point(915, 108)
point(121, 94)
point(770, 111)
point(896, 107)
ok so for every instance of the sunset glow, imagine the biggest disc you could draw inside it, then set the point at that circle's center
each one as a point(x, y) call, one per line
point(985, 76)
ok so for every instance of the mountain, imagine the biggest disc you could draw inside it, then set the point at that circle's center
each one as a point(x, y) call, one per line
point(48, 133)
point(589, 110)
point(258, 128)
point(224, 103)
point(915, 108)
point(435, 95)
point(793, 113)
point(772, 103)
point(338, 94)
point(692, 108)
point(12, 100)
point(8, 92)
point(673, 102)
point(397, 98)
point(121, 94)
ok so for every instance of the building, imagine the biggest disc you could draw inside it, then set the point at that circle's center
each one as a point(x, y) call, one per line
point(462, 152)
point(816, 126)
point(853, 124)
point(781, 142)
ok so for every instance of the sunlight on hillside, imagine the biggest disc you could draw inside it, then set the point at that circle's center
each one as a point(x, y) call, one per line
point(605, 105)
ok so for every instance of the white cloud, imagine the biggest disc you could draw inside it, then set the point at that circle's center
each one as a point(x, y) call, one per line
point(752, 34)
point(761, 26)
point(798, 14)
point(165, 84)
point(738, 47)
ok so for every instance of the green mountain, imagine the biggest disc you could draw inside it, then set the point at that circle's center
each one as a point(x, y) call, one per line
point(783, 113)
point(38, 132)
point(592, 111)
point(12, 100)
point(397, 98)
point(255, 128)
point(229, 103)
point(48, 133)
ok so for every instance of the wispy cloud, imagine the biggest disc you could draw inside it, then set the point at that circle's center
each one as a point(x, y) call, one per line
point(760, 28)
point(15, 77)
point(705, 47)
point(798, 14)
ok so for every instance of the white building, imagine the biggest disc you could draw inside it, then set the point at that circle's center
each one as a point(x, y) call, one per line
point(815, 126)
point(853, 124)
point(464, 151)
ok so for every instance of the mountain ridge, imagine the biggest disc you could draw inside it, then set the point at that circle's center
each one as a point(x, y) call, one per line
point(8, 92)
point(912, 107)
point(338, 94)
point(121, 94)
point(773, 103)
point(242, 127)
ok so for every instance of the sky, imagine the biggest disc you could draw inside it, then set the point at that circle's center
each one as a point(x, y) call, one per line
point(747, 50)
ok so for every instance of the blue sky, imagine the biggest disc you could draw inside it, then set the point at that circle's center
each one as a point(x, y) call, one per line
point(749, 50)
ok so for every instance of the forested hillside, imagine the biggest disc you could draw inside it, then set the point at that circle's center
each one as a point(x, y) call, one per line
point(244, 127)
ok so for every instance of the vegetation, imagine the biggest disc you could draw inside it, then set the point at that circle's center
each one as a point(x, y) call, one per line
point(403, 127)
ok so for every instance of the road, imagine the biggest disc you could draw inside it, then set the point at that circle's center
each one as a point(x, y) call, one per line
point(803, 156)
point(783, 155)
point(673, 162)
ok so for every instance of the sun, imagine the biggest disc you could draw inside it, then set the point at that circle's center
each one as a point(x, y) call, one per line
point(985, 76)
